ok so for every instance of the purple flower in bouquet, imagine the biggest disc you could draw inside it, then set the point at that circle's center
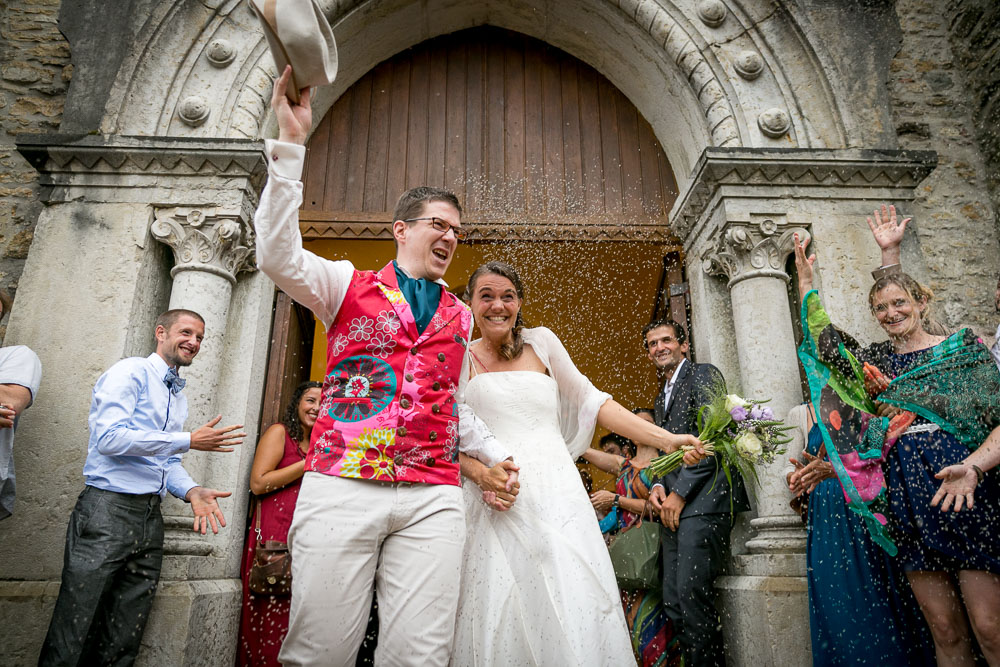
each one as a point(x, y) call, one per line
point(738, 413)
point(756, 412)
point(767, 414)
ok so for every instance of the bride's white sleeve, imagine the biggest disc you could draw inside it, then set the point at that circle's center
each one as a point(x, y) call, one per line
point(474, 437)
point(579, 399)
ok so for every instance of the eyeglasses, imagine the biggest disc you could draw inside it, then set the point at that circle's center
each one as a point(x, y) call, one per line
point(443, 226)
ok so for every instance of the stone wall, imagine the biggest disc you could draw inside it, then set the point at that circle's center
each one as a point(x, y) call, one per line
point(975, 40)
point(954, 218)
point(34, 76)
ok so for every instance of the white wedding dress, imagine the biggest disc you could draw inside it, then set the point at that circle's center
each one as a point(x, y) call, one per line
point(537, 585)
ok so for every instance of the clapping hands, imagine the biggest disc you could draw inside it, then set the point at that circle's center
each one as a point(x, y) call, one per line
point(808, 474)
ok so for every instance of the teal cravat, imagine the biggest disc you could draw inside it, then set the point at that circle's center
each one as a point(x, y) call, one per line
point(423, 296)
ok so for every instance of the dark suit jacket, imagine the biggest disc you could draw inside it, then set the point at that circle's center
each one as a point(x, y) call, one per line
point(703, 486)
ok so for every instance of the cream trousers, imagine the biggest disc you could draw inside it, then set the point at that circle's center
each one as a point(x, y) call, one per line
point(348, 533)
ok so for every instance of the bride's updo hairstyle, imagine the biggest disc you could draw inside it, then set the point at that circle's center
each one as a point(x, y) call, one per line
point(917, 292)
point(512, 348)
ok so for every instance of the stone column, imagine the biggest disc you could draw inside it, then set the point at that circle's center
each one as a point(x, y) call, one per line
point(211, 246)
point(93, 283)
point(736, 219)
point(752, 256)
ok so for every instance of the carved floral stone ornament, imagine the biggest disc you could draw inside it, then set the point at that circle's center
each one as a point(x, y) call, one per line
point(752, 250)
point(712, 12)
point(749, 65)
point(774, 122)
point(220, 52)
point(203, 239)
point(193, 110)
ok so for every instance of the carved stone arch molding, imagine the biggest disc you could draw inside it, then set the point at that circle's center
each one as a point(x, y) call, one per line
point(723, 73)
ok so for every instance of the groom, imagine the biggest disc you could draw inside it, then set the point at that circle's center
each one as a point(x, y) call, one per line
point(694, 501)
point(381, 499)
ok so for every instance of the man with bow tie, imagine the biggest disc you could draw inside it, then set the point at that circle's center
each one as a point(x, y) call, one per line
point(114, 543)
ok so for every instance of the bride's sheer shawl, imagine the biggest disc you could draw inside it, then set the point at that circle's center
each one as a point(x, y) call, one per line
point(579, 399)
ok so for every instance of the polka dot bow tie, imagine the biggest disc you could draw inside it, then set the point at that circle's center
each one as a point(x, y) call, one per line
point(173, 381)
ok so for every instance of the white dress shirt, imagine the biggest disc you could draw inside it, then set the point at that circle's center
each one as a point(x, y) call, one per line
point(137, 431)
point(321, 284)
point(668, 388)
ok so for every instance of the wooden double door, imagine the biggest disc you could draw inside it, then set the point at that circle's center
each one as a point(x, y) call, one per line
point(557, 172)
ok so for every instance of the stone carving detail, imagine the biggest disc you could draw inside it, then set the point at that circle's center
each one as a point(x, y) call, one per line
point(220, 52)
point(752, 250)
point(712, 13)
point(698, 63)
point(774, 122)
point(749, 65)
point(204, 239)
point(193, 110)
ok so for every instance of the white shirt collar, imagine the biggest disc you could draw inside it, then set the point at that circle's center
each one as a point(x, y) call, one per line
point(673, 378)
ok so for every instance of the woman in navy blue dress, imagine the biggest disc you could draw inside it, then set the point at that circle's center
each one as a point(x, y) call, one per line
point(861, 610)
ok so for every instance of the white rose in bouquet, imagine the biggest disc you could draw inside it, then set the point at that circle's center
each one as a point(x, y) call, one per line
point(749, 444)
point(733, 401)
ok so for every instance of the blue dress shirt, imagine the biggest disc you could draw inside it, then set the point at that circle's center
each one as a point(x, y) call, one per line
point(137, 431)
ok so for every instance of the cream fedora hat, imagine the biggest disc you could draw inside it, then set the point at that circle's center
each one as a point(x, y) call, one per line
point(300, 36)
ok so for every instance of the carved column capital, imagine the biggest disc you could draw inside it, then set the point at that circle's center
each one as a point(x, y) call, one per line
point(753, 249)
point(206, 239)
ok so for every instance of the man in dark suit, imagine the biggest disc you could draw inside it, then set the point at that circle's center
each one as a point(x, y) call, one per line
point(696, 503)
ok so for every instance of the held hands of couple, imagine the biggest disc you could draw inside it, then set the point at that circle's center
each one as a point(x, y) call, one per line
point(499, 485)
point(207, 438)
point(206, 508)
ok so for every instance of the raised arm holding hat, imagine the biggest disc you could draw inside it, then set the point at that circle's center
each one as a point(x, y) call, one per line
point(381, 498)
point(299, 36)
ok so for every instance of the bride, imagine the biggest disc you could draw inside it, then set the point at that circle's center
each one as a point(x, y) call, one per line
point(537, 585)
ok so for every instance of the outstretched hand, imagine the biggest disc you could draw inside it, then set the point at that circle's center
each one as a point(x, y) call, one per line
point(294, 120)
point(958, 487)
point(207, 438)
point(206, 509)
point(887, 232)
point(803, 266)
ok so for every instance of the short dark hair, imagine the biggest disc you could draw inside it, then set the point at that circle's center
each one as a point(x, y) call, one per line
point(648, 411)
point(168, 318)
point(613, 438)
point(411, 203)
point(674, 326)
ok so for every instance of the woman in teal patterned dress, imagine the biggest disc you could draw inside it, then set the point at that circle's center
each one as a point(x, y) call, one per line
point(653, 639)
point(861, 610)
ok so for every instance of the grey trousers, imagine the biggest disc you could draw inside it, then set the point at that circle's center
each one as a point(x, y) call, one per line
point(111, 565)
point(692, 558)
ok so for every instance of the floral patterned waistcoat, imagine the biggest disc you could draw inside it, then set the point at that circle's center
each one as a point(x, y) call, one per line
point(388, 410)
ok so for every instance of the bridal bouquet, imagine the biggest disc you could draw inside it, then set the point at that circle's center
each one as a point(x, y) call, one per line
point(741, 434)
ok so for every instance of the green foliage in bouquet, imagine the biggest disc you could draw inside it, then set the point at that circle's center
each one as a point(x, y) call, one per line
point(740, 434)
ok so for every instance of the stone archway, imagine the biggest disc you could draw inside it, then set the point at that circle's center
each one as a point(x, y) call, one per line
point(724, 75)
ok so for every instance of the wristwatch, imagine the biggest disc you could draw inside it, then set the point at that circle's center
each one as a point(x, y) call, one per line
point(615, 501)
